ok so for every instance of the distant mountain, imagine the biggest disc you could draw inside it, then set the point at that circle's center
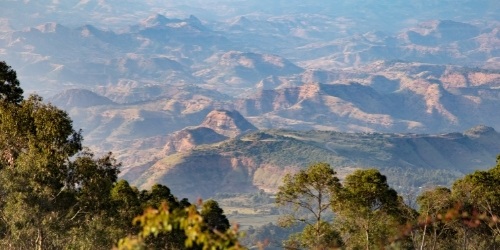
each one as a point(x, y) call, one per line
point(158, 70)
point(227, 123)
point(438, 32)
point(177, 51)
point(217, 126)
point(241, 71)
point(435, 42)
point(382, 97)
point(362, 14)
point(158, 50)
point(73, 12)
point(259, 160)
point(190, 137)
point(80, 98)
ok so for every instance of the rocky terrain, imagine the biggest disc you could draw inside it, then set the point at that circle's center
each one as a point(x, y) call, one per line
point(154, 79)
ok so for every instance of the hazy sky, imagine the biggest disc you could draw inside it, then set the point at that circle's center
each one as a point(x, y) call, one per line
point(383, 14)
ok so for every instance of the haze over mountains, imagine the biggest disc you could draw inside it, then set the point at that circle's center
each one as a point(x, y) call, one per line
point(151, 79)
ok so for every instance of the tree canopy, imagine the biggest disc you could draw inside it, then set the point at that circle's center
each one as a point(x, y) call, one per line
point(368, 211)
point(10, 91)
point(309, 194)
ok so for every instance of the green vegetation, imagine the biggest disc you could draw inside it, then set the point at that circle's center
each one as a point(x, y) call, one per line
point(277, 150)
point(309, 194)
point(368, 214)
point(368, 211)
point(10, 92)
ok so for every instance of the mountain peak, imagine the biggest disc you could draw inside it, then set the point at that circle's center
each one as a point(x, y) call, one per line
point(189, 138)
point(79, 98)
point(194, 20)
point(227, 123)
point(479, 130)
point(155, 20)
point(51, 27)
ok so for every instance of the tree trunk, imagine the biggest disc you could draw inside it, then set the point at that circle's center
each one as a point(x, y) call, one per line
point(434, 242)
point(367, 239)
point(465, 238)
point(39, 240)
point(318, 219)
point(423, 235)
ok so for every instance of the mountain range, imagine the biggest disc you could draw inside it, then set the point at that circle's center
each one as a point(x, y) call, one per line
point(167, 86)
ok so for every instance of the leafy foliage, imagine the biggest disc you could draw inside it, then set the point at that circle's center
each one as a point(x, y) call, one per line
point(368, 211)
point(198, 234)
point(214, 216)
point(309, 193)
point(433, 204)
point(10, 92)
point(35, 172)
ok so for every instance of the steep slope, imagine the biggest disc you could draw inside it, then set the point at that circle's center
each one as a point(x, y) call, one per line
point(386, 96)
point(188, 138)
point(227, 123)
point(217, 126)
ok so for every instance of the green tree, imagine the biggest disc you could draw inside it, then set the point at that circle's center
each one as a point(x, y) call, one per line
point(464, 217)
point(479, 196)
point(10, 91)
point(154, 198)
point(436, 232)
point(90, 221)
point(309, 194)
point(191, 223)
point(130, 203)
point(157, 195)
point(214, 216)
point(126, 202)
point(48, 191)
point(93, 180)
point(35, 168)
point(368, 212)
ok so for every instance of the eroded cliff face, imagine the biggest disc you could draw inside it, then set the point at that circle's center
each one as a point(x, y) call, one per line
point(227, 123)
point(217, 126)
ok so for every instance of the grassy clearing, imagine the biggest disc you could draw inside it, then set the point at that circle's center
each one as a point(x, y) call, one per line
point(247, 210)
point(255, 220)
